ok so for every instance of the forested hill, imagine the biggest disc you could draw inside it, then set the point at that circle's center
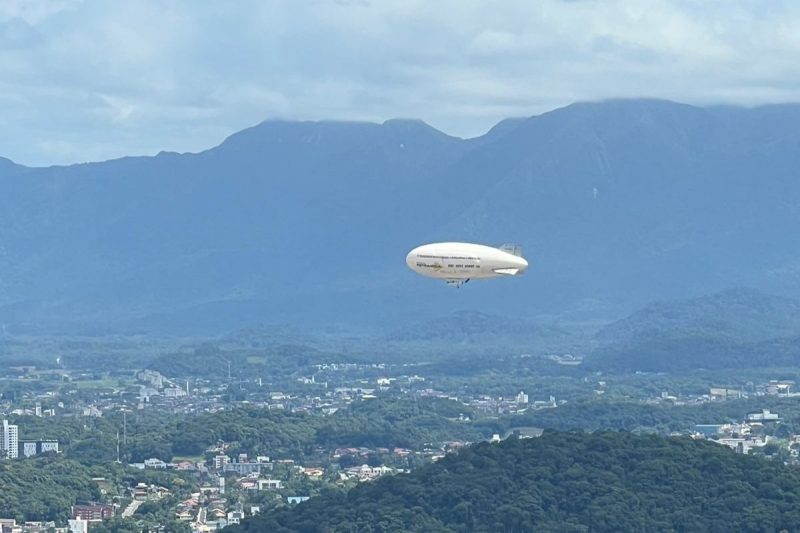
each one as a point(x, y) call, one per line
point(731, 329)
point(605, 481)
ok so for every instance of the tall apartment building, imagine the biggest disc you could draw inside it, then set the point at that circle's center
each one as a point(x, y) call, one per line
point(9, 441)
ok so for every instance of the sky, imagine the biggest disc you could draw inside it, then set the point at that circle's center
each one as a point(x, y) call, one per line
point(90, 80)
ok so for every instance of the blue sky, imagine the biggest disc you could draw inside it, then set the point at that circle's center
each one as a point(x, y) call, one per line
point(88, 80)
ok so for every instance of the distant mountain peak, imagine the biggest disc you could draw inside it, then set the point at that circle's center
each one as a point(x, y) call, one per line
point(333, 133)
point(412, 125)
point(407, 123)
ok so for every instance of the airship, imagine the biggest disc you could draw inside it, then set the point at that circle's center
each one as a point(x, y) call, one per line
point(459, 262)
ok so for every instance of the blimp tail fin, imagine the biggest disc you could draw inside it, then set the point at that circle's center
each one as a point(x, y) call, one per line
point(506, 271)
point(514, 249)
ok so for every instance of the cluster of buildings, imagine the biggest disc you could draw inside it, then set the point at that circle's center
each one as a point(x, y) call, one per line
point(36, 410)
point(153, 383)
point(10, 525)
point(206, 511)
point(781, 388)
point(242, 466)
point(742, 437)
point(509, 405)
point(12, 448)
point(365, 472)
point(82, 516)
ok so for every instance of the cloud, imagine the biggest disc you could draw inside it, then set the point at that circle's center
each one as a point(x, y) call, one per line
point(87, 80)
point(35, 11)
point(15, 33)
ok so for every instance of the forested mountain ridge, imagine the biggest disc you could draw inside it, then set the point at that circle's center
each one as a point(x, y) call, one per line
point(604, 481)
point(737, 328)
point(616, 203)
point(744, 314)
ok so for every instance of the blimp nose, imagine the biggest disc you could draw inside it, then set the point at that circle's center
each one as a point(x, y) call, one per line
point(410, 258)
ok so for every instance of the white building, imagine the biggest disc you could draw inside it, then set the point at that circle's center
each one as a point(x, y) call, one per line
point(28, 449)
point(764, 416)
point(36, 447)
point(235, 517)
point(269, 484)
point(174, 392)
point(154, 463)
point(78, 525)
point(9, 440)
point(92, 411)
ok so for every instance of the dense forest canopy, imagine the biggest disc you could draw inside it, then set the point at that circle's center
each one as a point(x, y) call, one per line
point(603, 481)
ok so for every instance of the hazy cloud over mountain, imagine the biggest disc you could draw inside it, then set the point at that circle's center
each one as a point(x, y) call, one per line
point(88, 80)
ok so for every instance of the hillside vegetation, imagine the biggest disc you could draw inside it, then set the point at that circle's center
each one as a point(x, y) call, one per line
point(578, 482)
point(733, 329)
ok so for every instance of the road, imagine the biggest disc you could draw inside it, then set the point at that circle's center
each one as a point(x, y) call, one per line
point(131, 508)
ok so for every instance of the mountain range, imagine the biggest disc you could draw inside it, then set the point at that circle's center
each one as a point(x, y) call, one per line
point(616, 204)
